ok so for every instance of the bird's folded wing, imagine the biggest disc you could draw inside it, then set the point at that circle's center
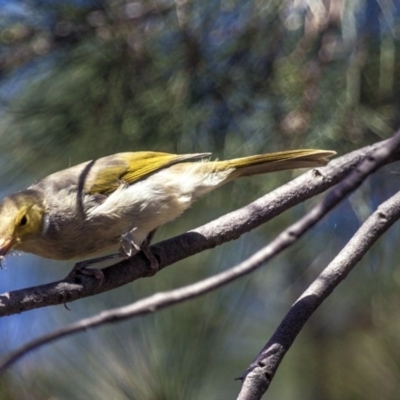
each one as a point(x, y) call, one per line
point(106, 174)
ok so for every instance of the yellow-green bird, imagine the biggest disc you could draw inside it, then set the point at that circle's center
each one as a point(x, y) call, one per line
point(116, 202)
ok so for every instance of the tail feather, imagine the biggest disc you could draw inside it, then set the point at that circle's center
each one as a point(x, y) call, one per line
point(202, 177)
point(263, 163)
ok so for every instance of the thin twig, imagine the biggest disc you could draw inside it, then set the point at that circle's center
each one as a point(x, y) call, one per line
point(285, 239)
point(229, 227)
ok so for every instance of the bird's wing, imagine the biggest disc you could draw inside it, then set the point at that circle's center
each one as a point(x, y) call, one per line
point(106, 174)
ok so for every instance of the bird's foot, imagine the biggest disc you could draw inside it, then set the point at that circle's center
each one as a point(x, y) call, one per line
point(154, 263)
point(129, 248)
point(81, 267)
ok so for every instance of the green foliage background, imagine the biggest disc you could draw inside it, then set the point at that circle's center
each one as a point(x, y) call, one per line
point(80, 80)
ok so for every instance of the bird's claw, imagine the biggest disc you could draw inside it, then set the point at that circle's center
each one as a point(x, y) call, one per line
point(154, 263)
point(82, 268)
point(129, 248)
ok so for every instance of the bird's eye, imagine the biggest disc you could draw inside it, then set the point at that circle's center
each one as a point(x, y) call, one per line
point(23, 221)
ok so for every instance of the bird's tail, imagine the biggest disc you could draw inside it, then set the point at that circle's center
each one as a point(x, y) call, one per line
point(263, 163)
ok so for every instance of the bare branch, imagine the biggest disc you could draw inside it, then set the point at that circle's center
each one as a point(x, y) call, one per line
point(260, 373)
point(262, 370)
point(222, 230)
point(285, 239)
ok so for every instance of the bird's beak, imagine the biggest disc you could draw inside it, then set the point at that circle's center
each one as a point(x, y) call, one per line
point(5, 246)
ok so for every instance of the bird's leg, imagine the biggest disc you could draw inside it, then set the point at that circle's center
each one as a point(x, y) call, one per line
point(129, 248)
point(81, 267)
point(145, 247)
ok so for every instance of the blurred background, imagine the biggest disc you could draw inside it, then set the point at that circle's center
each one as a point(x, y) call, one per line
point(82, 79)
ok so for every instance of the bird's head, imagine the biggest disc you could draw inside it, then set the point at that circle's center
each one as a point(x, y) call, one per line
point(21, 219)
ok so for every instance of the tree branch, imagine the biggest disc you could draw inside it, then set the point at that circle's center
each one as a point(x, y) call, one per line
point(222, 230)
point(261, 371)
point(285, 239)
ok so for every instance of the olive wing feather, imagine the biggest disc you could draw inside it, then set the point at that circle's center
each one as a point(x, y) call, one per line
point(106, 174)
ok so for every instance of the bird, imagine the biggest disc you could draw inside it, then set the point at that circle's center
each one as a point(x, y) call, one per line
point(114, 204)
